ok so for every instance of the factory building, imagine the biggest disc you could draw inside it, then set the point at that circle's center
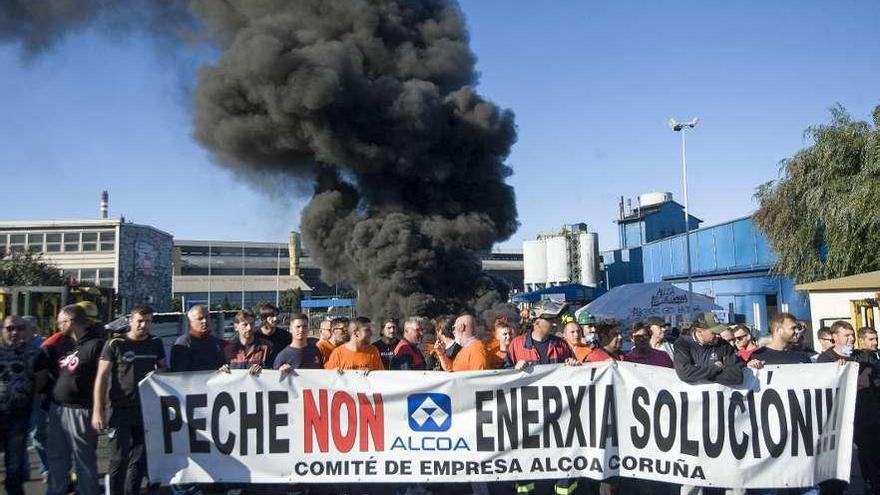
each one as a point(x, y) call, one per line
point(569, 256)
point(731, 262)
point(132, 259)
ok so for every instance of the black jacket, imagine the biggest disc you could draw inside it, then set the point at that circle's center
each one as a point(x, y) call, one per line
point(77, 370)
point(696, 363)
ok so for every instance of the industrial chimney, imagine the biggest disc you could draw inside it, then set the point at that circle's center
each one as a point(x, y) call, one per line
point(105, 204)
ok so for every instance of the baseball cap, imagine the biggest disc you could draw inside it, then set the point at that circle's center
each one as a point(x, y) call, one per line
point(547, 309)
point(656, 321)
point(585, 318)
point(708, 321)
point(90, 309)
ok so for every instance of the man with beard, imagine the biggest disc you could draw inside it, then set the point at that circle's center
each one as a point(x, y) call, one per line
point(246, 351)
point(472, 355)
point(338, 336)
point(70, 430)
point(387, 343)
point(303, 352)
point(278, 337)
point(642, 352)
point(21, 362)
point(701, 356)
point(357, 353)
point(408, 353)
point(784, 335)
point(125, 361)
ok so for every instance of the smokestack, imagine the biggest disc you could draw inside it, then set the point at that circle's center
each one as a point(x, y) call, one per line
point(105, 204)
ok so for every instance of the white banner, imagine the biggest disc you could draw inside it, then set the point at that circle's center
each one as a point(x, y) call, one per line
point(785, 426)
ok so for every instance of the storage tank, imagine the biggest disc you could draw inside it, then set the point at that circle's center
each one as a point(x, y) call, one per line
point(654, 198)
point(557, 260)
point(588, 244)
point(534, 262)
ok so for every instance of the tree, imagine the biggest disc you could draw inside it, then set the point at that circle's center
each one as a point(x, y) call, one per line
point(25, 268)
point(289, 300)
point(822, 216)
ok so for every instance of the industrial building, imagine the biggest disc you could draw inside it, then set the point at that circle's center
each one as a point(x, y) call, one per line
point(569, 256)
point(730, 262)
point(132, 259)
point(244, 273)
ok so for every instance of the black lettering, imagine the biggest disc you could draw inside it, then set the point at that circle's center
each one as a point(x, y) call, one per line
point(276, 419)
point(688, 446)
point(665, 441)
point(712, 447)
point(552, 413)
point(574, 422)
point(753, 419)
point(640, 414)
point(609, 419)
point(529, 417)
point(196, 445)
point(645, 465)
point(801, 422)
point(771, 398)
point(222, 401)
point(508, 418)
point(484, 418)
point(251, 421)
point(738, 448)
point(591, 404)
point(167, 405)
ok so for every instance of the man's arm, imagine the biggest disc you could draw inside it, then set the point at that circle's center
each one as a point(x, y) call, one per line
point(687, 371)
point(732, 373)
point(101, 379)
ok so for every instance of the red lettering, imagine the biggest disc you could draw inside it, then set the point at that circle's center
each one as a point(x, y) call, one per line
point(315, 420)
point(372, 422)
point(343, 443)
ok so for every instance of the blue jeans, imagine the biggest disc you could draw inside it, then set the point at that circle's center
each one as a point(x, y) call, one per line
point(13, 437)
point(39, 422)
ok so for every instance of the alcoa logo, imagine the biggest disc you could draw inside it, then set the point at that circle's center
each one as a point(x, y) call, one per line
point(429, 412)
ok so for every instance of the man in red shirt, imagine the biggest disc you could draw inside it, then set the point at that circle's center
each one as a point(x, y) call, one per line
point(246, 351)
point(642, 352)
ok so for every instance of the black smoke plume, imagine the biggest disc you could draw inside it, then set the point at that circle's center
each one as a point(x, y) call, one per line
point(372, 102)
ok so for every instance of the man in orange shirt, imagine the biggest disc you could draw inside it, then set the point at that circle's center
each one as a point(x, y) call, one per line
point(357, 353)
point(574, 337)
point(472, 355)
point(337, 330)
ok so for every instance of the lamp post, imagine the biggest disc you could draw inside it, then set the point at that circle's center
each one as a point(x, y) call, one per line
point(682, 127)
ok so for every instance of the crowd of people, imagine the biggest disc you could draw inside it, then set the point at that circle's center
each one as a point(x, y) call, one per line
point(64, 391)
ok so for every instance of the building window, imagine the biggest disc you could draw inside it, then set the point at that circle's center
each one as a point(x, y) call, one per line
point(35, 243)
point(53, 243)
point(71, 242)
point(108, 241)
point(88, 277)
point(70, 274)
point(105, 277)
point(89, 241)
point(16, 243)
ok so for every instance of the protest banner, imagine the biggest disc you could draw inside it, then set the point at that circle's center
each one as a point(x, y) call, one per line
point(785, 426)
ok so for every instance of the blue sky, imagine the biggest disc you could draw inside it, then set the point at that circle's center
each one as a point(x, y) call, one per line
point(592, 85)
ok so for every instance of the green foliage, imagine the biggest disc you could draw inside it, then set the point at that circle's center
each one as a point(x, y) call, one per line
point(289, 300)
point(823, 215)
point(176, 304)
point(28, 269)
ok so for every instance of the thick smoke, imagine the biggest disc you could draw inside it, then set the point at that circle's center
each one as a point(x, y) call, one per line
point(373, 102)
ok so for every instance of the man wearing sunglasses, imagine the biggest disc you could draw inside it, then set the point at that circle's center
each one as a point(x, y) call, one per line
point(18, 361)
point(743, 341)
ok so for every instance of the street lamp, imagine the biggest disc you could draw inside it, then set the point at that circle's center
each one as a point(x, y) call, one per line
point(682, 127)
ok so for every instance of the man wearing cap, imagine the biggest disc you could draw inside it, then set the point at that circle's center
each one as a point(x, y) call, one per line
point(539, 346)
point(702, 356)
point(657, 327)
